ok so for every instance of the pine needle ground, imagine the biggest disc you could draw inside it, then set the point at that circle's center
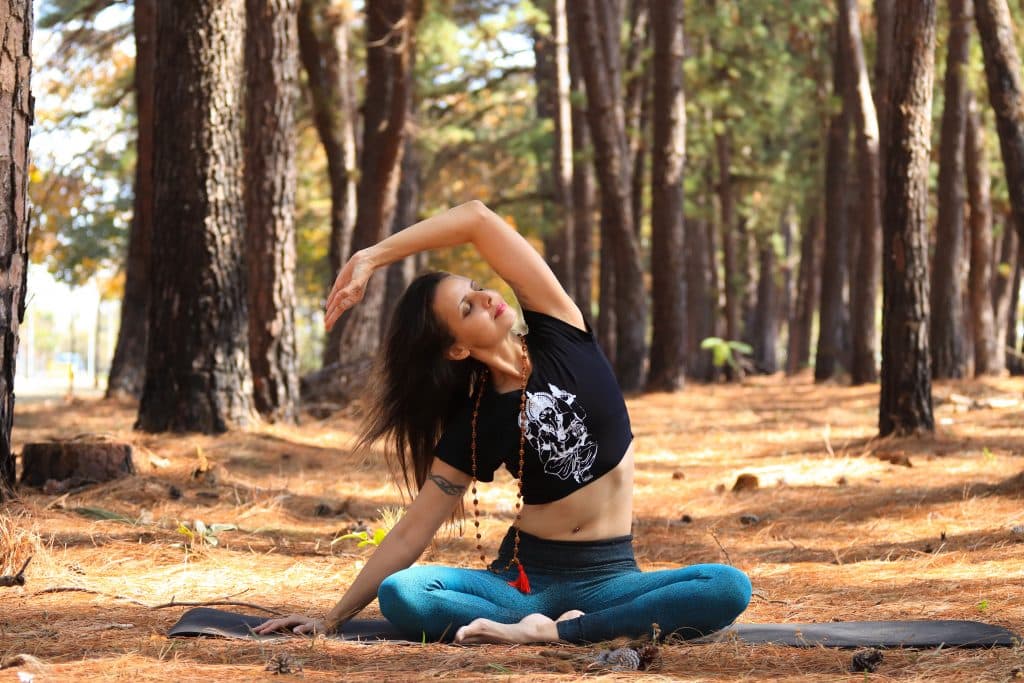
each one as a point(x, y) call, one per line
point(844, 530)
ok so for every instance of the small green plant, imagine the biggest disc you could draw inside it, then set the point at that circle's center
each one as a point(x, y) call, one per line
point(364, 537)
point(982, 606)
point(200, 535)
point(389, 517)
point(988, 455)
point(724, 351)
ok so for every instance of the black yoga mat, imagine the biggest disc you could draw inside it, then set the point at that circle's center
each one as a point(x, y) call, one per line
point(203, 621)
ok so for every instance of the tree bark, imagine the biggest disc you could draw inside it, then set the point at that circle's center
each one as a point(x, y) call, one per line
point(668, 155)
point(765, 328)
point(197, 363)
point(1014, 360)
point(701, 278)
point(798, 351)
point(16, 118)
point(949, 353)
point(732, 279)
point(272, 73)
point(582, 193)
point(700, 298)
point(864, 289)
point(323, 28)
point(128, 367)
point(980, 279)
point(1006, 94)
point(906, 397)
point(883, 70)
point(407, 204)
point(562, 168)
point(637, 105)
point(552, 78)
point(390, 37)
point(831, 354)
point(1002, 291)
point(604, 113)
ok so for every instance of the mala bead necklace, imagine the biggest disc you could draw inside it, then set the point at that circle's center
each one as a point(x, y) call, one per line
point(522, 583)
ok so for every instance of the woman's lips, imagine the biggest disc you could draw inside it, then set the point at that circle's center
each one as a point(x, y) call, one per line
point(500, 309)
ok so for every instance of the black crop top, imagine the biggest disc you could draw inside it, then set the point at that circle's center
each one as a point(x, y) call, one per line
point(577, 425)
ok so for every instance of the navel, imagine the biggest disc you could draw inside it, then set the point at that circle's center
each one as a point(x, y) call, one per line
point(576, 530)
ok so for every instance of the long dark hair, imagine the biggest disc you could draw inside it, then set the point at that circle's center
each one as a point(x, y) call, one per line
point(418, 387)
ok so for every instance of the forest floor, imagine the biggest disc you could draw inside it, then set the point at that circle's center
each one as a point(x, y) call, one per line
point(842, 534)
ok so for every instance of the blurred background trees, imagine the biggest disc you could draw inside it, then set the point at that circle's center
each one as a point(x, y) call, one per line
point(691, 169)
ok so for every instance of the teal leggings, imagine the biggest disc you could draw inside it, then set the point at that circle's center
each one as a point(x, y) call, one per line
point(599, 578)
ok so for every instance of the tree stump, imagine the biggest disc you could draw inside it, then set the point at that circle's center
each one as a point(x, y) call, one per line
point(81, 460)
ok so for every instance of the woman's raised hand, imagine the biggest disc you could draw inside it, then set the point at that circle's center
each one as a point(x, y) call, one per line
point(296, 623)
point(348, 288)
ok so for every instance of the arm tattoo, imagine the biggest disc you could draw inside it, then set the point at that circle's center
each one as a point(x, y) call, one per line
point(446, 486)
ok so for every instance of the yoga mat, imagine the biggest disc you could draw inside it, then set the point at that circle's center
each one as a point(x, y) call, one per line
point(920, 633)
point(203, 621)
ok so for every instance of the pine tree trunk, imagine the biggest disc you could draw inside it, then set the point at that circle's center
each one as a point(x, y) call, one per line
point(390, 36)
point(16, 117)
point(1014, 360)
point(798, 351)
point(323, 47)
point(272, 72)
point(562, 168)
point(668, 154)
point(732, 279)
point(637, 105)
point(582, 194)
point(980, 280)
point(700, 300)
point(883, 70)
point(604, 112)
point(701, 278)
point(1006, 94)
point(407, 204)
point(765, 328)
point(128, 367)
point(906, 398)
point(1002, 291)
point(949, 354)
point(863, 288)
point(606, 325)
point(197, 362)
point(831, 353)
point(787, 294)
point(551, 74)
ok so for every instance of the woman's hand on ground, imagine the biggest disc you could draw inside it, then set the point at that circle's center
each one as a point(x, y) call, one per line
point(349, 287)
point(296, 623)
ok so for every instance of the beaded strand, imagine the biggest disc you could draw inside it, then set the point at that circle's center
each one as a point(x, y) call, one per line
point(522, 458)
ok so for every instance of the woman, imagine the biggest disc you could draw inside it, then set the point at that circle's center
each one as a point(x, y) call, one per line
point(548, 407)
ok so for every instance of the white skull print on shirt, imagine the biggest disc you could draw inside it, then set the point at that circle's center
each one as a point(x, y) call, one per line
point(555, 427)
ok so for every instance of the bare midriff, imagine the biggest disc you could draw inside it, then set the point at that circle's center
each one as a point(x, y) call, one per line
point(601, 509)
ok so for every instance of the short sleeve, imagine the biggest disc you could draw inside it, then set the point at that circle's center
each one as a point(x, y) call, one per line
point(454, 448)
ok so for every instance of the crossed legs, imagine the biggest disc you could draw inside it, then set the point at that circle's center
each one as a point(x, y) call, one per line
point(472, 606)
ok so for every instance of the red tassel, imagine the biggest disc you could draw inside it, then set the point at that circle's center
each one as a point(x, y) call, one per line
point(522, 584)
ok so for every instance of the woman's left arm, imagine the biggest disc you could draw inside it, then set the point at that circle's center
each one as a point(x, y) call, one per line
point(504, 249)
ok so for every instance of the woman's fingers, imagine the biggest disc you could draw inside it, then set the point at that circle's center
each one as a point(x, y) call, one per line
point(281, 623)
point(297, 623)
point(348, 290)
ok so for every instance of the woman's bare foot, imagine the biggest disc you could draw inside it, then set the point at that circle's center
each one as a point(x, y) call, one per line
point(571, 614)
point(533, 628)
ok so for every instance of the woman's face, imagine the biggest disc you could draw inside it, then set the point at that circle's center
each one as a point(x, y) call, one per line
point(477, 318)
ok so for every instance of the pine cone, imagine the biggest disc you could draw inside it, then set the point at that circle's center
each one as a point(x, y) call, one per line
point(284, 663)
point(622, 659)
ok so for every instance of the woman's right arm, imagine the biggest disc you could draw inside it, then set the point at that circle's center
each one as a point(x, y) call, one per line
point(435, 502)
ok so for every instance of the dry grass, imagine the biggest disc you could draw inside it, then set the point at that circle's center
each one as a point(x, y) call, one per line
point(842, 535)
